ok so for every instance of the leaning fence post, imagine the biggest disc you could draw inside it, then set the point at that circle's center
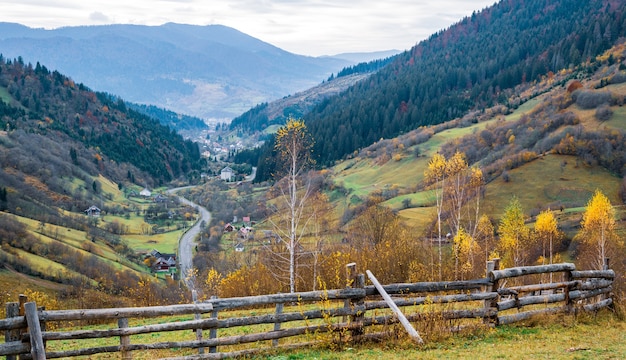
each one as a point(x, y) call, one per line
point(213, 331)
point(12, 310)
point(124, 339)
point(37, 350)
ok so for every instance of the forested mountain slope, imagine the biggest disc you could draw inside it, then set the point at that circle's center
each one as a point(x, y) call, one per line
point(276, 112)
point(474, 64)
point(54, 130)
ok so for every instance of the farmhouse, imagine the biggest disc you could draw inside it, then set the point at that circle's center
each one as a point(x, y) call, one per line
point(164, 262)
point(93, 211)
point(227, 174)
point(145, 192)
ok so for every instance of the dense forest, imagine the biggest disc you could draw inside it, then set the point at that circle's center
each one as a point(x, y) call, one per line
point(169, 118)
point(364, 67)
point(50, 104)
point(473, 64)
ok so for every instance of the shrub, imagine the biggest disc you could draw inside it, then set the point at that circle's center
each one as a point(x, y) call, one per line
point(588, 99)
point(618, 78)
point(604, 113)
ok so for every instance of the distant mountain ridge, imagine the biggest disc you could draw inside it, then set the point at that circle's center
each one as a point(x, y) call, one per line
point(207, 71)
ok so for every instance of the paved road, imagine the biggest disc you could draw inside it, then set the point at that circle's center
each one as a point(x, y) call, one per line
point(187, 241)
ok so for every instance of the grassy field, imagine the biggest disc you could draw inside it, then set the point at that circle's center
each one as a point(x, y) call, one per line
point(363, 176)
point(557, 338)
point(585, 336)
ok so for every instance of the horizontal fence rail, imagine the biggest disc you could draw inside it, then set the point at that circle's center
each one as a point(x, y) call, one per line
point(352, 314)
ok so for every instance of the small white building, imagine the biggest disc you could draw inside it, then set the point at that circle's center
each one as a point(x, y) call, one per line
point(145, 192)
point(227, 174)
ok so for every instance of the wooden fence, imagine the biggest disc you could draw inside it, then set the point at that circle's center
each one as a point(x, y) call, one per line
point(355, 313)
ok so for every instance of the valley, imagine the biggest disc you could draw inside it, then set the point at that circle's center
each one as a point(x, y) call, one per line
point(420, 169)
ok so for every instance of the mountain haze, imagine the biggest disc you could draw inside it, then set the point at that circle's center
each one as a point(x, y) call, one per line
point(208, 71)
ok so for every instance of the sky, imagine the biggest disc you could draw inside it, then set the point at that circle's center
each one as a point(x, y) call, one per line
point(305, 27)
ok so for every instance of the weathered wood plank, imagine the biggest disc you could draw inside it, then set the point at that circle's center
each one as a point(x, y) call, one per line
point(232, 303)
point(582, 294)
point(130, 312)
point(544, 287)
point(509, 319)
point(407, 325)
point(530, 270)
point(13, 323)
point(407, 288)
point(604, 274)
point(437, 299)
point(592, 284)
point(530, 300)
point(14, 348)
point(212, 323)
point(599, 305)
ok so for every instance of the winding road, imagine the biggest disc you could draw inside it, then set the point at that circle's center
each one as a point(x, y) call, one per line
point(187, 240)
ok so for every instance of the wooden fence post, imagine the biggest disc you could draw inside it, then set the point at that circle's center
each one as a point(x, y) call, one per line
point(607, 261)
point(489, 304)
point(37, 350)
point(279, 310)
point(213, 331)
point(12, 310)
point(124, 340)
point(350, 277)
point(197, 316)
point(355, 280)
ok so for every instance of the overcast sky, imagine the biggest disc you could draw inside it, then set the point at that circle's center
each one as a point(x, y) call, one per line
point(306, 27)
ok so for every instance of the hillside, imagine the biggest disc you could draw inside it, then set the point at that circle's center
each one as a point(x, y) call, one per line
point(40, 105)
point(65, 149)
point(472, 65)
point(206, 71)
point(564, 141)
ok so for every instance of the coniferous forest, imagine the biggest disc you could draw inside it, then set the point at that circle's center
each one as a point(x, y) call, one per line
point(474, 64)
point(51, 103)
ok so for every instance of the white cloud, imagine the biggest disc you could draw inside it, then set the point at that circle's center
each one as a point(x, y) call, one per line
point(311, 27)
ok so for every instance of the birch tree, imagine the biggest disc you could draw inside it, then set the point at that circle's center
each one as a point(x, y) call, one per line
point(435, 174)
point(598, 228)
point(293, 147)
point(514, 235)
point(546, 231)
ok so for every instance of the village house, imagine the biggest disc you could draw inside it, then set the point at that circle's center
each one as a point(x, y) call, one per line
point(93, 211)
point(160, 198)
point(164, 262)
point(227, 174)
point(145, 192)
